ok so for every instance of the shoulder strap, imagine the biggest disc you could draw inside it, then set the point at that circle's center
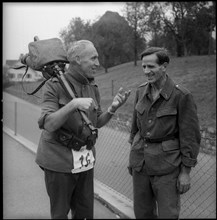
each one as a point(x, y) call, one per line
point(36, 90)
point(68, 86)
point(64, 83)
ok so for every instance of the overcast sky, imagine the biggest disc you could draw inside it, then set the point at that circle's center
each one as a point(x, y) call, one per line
point(24, 20)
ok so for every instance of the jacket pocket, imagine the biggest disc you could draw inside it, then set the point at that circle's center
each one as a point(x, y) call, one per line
point(162, 158)
point(64, 136)
point(171, 150)
point(137, 142)
point(166, 111)
point(70, 140)
point(136, 159)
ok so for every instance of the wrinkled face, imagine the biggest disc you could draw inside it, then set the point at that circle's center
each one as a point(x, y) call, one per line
point(153, 71)
point(88, 61)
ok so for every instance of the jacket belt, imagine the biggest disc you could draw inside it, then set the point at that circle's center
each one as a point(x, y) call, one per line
point(158, 140)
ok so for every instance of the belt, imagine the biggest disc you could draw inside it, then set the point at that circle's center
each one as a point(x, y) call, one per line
point(158, 140)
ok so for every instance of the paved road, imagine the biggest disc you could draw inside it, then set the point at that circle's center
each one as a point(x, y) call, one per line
point(24, 193)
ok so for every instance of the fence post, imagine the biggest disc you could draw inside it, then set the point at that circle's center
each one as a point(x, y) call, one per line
point(15, 118)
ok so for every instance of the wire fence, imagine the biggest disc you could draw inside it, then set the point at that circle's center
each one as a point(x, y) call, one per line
point(111, 169)
point(112, 154)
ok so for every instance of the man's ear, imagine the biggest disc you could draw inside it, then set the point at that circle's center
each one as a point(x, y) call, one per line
point(165, 66)
point(78, 60)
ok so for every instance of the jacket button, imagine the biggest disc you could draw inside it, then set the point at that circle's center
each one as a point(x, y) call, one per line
point(146, 145)
point(148, 133)
point(149, 121)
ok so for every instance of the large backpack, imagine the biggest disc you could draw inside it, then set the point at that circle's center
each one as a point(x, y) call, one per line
point(43, 56)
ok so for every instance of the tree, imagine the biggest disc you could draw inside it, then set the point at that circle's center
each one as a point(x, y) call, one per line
point(76, 30)
point(183, 23)
point(155, 26)
point(136, 13)
point(112, 36)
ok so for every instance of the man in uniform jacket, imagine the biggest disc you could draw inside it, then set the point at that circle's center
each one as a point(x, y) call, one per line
point(165, 140)
point(69, 170)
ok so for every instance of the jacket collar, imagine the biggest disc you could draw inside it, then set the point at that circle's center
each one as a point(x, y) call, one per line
point(74, 71)
point(166, 90)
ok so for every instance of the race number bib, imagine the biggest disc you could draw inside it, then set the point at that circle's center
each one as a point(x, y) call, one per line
point(82, 160)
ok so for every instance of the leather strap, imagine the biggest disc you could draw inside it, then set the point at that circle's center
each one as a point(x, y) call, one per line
point(69, 91)
point(36, 90)
point(158, 140)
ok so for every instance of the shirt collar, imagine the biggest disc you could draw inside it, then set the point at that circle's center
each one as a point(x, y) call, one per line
point(166, 90)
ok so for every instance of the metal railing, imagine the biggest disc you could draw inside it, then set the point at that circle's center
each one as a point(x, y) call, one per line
point(112, 153)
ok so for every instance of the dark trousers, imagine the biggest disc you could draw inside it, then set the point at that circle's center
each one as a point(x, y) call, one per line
point(69, 191)
point(156, 196)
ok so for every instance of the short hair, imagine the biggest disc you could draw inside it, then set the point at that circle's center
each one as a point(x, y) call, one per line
point(77, 48)
point(161, 53)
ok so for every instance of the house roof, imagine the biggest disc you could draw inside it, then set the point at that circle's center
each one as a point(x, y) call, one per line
point(16, 64)
point(11, 62)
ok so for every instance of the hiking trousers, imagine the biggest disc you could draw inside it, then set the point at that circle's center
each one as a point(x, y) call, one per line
point(69, 191)
point(156, 196)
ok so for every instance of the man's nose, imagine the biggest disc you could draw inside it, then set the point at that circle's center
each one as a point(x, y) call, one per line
point(97, 62)
point(146, 70)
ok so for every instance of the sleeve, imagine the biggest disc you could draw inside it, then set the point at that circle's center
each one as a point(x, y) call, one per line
point(134, 129)
point(49, 103)
point(99, 110)
point(189, 131)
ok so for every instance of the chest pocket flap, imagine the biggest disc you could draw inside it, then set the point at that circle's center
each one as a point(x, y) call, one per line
point(141, 106)
point(166, 111)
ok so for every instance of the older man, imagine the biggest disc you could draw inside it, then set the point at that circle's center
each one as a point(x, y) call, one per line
point(165, 139)
point(68, 170)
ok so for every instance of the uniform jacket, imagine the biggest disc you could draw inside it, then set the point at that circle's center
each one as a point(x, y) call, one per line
point(51, 153)
point(164, 133)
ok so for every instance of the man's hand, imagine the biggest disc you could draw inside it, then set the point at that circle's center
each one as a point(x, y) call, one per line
point(120, 99)
point(184, 181)
point(83, 104)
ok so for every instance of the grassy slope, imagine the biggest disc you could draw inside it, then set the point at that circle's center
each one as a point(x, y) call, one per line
point(196, 73)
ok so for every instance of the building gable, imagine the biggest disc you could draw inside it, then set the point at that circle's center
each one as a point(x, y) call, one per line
point(16, 71)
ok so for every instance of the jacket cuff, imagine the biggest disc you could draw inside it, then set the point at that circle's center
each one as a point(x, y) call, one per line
point(41, 121)
point(189, 162)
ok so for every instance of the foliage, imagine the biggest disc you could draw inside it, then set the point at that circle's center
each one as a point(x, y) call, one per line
point(184, 28)
point(76, 30)
point(113, 37)
point(136, 13)
point(190, 24)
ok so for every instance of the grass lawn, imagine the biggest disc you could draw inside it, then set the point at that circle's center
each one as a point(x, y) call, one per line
point(196, 73)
